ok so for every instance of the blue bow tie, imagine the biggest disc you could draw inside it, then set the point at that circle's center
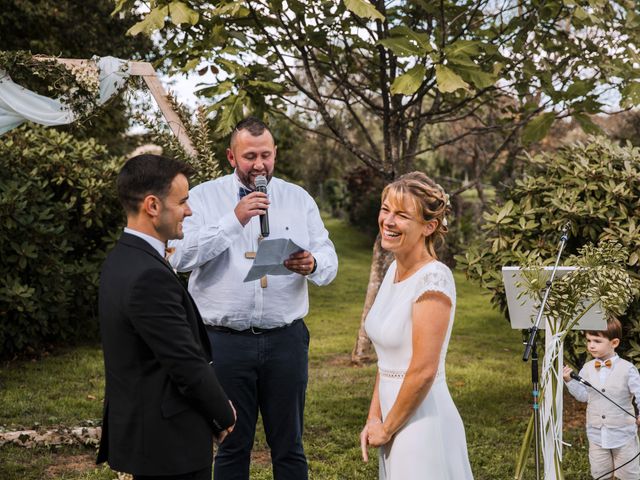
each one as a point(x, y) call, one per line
point(243, 192)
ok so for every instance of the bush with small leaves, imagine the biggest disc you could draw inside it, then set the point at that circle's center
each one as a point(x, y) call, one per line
point(58, 215)
point(595, 187)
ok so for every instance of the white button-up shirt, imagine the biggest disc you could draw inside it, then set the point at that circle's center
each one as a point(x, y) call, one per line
point(157, 244)
point(215, 247)
point(608, 437)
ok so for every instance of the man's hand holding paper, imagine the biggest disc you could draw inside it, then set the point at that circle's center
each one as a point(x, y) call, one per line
point(280, 256)
point(300, 262)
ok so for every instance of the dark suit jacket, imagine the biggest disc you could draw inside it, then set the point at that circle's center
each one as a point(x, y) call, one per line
point(163, 402)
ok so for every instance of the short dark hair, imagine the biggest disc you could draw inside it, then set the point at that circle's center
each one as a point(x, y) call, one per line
point(253, 125)
point(148, 174)
point(613, 331)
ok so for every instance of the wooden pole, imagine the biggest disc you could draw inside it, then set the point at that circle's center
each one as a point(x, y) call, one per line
point(148, 73)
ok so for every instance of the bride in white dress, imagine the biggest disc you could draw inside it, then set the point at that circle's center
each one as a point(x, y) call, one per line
point(412, 417)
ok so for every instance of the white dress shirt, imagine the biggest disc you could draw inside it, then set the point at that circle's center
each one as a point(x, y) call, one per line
point(608, 437)
point(215, 245)
point(157, 244)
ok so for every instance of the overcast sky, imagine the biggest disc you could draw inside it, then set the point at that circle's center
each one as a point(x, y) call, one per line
point(183, 86)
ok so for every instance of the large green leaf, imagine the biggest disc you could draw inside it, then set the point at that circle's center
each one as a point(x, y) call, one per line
point(538, 128)
point(239, 36)
point(232, 112)
point(152, 22)
point(232, 67)
point(236, 9)
point(421, 39)
point(475, 75)
point(631, 94)
point(589, 105)
point(633, 20)
point(409, 82)
point(119, 6)
point(181, 13)
point(587, 124)
point(580, 13)
point(448, 80)
point(363, 9)
point(191, 64)
point(214, 90)
point(463, 47)
point(266, 86)
point(580, 88)
point(402, 46)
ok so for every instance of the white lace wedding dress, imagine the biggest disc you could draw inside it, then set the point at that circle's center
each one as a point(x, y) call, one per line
point(432, 444)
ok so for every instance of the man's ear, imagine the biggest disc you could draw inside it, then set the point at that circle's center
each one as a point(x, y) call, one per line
point(231, 158)
point(151, 206)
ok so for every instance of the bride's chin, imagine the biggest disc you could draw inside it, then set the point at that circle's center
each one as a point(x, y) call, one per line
point(388, 246)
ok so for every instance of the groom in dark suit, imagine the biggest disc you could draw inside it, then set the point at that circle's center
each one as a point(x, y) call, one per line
point(163, 404)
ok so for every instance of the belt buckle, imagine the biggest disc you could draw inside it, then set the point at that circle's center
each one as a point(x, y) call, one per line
point(254, 332)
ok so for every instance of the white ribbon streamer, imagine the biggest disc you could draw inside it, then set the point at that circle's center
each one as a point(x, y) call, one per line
point(551, 406)
point(17, 104)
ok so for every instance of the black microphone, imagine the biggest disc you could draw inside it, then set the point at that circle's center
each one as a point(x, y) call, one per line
point(565, 231)
point(577, 377)
point(261, 186)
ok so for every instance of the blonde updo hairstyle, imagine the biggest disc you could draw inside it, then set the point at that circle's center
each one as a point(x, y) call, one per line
point(429, 199)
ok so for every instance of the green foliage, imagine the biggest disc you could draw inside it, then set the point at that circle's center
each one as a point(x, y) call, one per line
point(58, 212)
point(363, 9)
point(336, 196)
point(204, 161)
point(53, 27)
point(78, 89)
point(537, 129)
point(384, 71)
point(363, 200)
point(61, 28)
point(595, 187)
point(601, 278)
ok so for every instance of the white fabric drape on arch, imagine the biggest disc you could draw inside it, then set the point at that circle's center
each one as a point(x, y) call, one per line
point(17, 104)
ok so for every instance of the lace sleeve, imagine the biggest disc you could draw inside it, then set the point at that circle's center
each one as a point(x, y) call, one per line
point(438, 280)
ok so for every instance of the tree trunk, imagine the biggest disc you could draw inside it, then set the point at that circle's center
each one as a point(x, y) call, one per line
point(363, 351)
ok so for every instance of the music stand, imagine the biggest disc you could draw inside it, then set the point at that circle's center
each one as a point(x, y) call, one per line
point(523, 309)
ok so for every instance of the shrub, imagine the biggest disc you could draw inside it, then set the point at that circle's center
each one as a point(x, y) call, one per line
point(596, 187)
point(59, 213)
point(335, 196)
point(363, 199)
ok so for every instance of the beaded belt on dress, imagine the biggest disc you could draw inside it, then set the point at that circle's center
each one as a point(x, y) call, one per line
point(398, 374)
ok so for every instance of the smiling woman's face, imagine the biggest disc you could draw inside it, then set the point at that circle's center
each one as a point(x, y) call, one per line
point(401, 226)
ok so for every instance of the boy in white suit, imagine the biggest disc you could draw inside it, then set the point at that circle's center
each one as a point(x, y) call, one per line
point(612, 433)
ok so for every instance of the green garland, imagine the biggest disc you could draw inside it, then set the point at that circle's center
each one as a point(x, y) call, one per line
point(77, 87)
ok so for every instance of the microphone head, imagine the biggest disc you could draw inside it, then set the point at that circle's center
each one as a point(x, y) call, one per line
point(261, 182)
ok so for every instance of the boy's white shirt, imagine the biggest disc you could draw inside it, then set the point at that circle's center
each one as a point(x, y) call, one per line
point(608, 437)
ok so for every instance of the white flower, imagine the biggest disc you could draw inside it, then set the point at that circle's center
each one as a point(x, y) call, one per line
point(446, 195)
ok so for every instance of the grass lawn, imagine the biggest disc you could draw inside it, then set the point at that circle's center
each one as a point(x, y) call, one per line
point(488, 381)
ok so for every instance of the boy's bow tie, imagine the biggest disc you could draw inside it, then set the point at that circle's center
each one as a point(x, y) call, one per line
point(606, 363)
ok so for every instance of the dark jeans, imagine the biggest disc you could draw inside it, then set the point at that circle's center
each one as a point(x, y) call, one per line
point(268, 372)
point(204, 474)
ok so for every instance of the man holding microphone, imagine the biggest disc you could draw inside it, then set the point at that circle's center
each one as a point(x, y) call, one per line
point(259, 339)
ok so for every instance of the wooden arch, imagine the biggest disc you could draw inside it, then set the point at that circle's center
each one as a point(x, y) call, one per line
point(148, 73)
